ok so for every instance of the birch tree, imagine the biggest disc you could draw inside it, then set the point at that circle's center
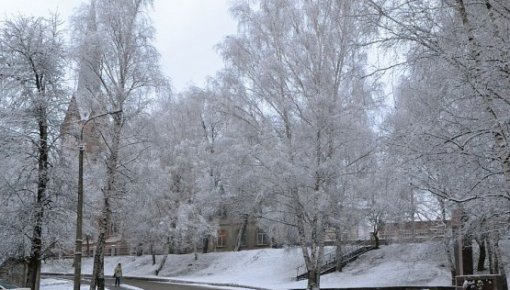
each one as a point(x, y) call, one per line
point(457, 76)
point(294, 70)
point(128, 70)
point(32, 72)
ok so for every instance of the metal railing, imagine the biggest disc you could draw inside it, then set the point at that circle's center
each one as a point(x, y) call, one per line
point(350, 251)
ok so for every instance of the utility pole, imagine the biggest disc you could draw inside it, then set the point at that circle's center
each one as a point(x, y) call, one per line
point(79, 210)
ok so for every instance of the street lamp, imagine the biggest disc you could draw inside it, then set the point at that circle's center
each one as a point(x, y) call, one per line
point(79, 210)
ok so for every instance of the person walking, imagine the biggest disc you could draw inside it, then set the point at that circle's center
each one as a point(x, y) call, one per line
point(117, 273)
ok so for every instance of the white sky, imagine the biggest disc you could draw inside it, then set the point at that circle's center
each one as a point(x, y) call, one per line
point(186, 32)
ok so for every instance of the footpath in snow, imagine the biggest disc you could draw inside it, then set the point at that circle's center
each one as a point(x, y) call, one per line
point(422, 264)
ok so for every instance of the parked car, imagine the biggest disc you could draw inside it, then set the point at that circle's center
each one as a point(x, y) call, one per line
point(6, 285)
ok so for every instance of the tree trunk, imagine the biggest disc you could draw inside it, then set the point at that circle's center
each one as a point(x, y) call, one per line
point(496, 260)
point(317, 252)
point(111, 173)
point(449, 257)
point(242, 230)
point(34, 261)
point(375, 234)
point(151, 249)
point(312, 250)
point(161, 264)
point(313, 279)
point(98, 267)
point(451, 264)
point(195, 253)
point(88, 245)
point(338, 249)
point(163, 261)
point(206, 245)
point(501, 266)
point(467, 256)
point(490, 255)
point(482, 254)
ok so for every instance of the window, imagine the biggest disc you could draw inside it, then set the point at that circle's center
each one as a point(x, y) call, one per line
point(222, 239)
point(330, 236)
point(262, 238)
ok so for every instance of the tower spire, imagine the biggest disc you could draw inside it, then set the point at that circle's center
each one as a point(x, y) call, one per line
point(88, 88)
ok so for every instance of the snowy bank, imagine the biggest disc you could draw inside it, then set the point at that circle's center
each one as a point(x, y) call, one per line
point(422, 264)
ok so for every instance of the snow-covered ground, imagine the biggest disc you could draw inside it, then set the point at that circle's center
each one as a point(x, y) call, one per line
point(56, 284)
point(421, 264)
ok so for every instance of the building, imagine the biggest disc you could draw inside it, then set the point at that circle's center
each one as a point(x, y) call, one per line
point(114, 246)
point(230, 233)
point(413, 231)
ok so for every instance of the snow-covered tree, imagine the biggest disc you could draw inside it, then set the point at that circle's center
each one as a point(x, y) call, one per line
point(128, 70)
point(294, 74)
point(32, 69)
point(451, 117)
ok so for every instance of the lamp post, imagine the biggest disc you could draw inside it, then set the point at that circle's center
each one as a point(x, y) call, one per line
point(79, 210)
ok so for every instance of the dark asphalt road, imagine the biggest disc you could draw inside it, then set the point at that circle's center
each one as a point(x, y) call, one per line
point(148, 285)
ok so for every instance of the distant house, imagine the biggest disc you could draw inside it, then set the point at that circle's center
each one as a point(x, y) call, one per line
point(227, 236)
point(413, 231)
point(359, 232)
point(115, 245)
point(255, 237)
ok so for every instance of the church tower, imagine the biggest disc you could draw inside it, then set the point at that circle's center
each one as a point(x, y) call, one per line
point(86, 101)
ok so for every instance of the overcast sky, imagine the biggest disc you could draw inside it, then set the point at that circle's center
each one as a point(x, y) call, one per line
point(186, 31)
